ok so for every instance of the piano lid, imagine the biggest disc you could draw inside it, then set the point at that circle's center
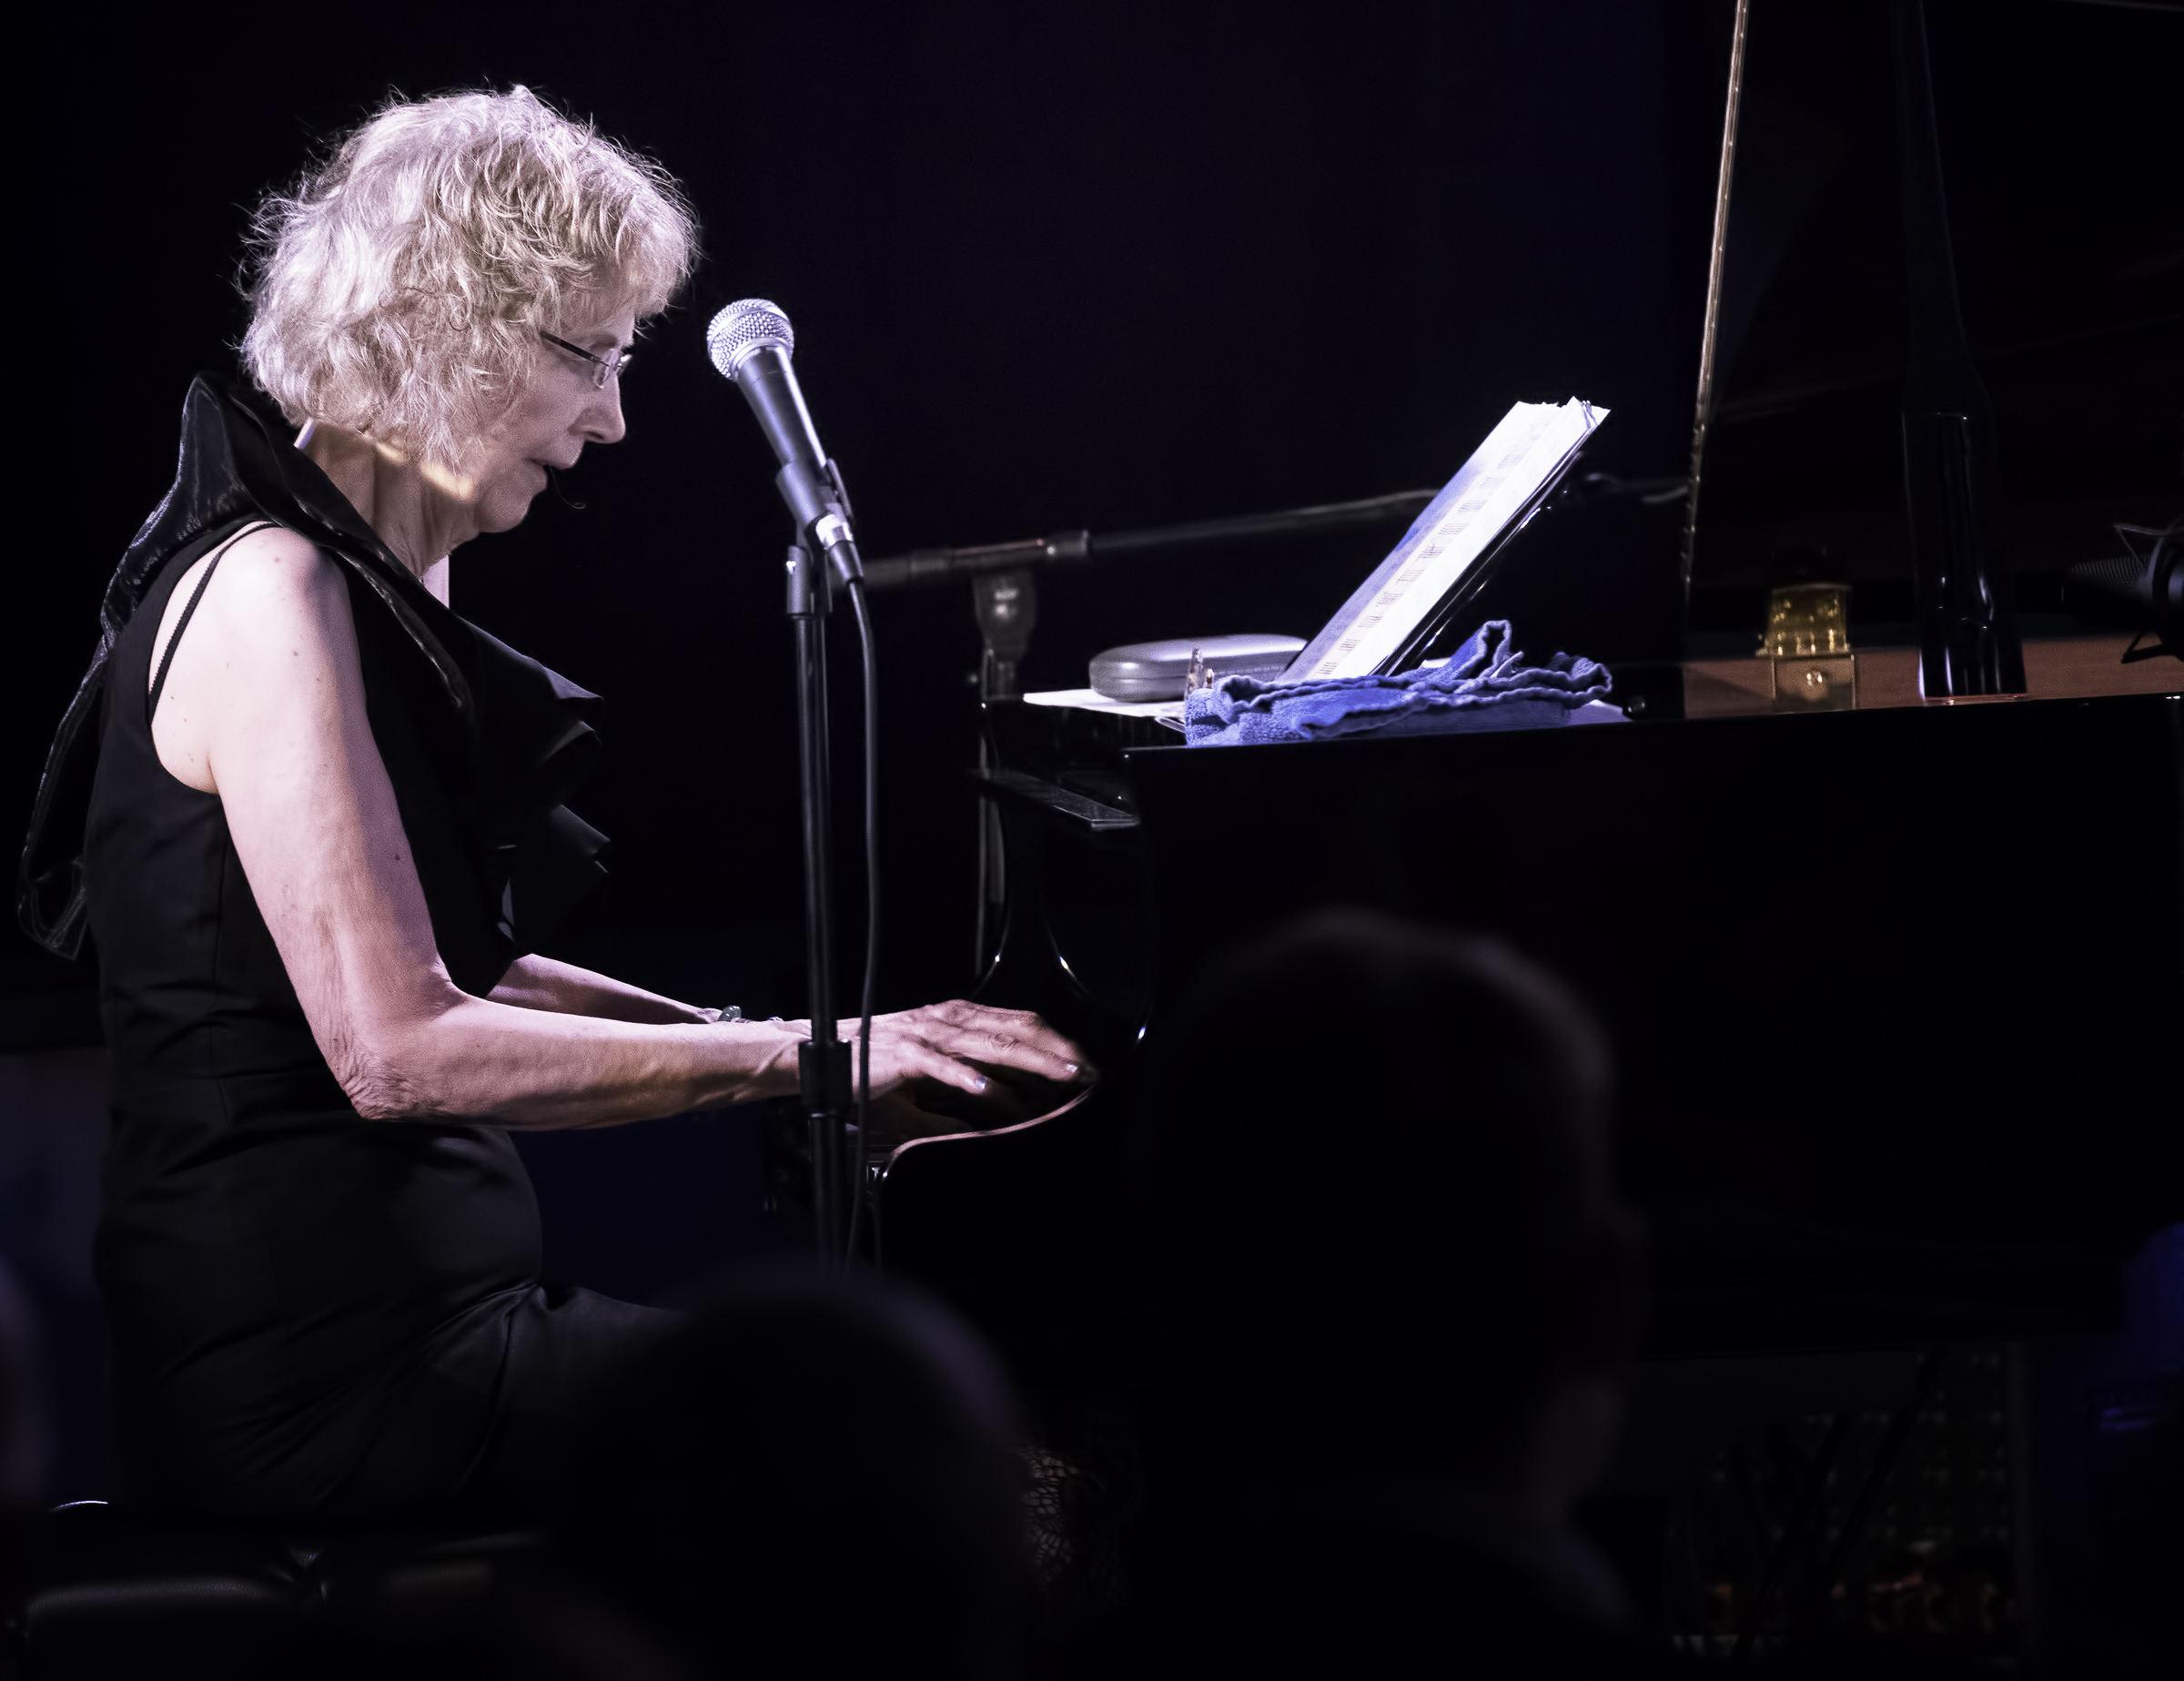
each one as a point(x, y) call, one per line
point(2059, 155)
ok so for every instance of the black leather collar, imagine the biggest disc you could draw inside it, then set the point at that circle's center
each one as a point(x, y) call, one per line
point(238, 463)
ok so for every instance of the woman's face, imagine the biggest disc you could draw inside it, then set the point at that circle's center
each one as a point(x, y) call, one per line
point(550, 421)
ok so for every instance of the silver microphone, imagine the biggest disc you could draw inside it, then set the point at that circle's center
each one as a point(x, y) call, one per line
point(752, 343)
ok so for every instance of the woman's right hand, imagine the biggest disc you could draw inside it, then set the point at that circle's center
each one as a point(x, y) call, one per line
point(942, 1042)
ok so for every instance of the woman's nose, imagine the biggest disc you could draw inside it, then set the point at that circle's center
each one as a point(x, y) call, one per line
point(602, 420)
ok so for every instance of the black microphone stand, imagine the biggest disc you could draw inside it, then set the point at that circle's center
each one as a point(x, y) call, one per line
point(822, 1061)
point(750, 342)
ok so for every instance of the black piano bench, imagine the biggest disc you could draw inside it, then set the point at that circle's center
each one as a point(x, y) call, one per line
point(110, 1595)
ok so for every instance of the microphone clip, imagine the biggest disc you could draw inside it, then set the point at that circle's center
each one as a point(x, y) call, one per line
point(820, 506)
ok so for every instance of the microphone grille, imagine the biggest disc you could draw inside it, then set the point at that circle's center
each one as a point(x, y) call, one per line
point(746, 325)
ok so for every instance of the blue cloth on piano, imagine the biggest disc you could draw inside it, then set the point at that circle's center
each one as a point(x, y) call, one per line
point(1484, 685)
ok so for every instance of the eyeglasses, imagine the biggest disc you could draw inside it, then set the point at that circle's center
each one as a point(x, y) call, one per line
point(604, 368)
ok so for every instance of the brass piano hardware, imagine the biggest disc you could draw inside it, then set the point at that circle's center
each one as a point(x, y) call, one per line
point(2063, 668)
point(1807, 619)
point(1817, 685)
point(1811, 668)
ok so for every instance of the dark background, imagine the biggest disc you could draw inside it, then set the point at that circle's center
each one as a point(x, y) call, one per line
point(1098, 265)
point(2069, 259)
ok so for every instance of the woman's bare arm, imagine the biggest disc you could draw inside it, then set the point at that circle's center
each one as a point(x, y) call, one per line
point(549, 983)
point(268, 709)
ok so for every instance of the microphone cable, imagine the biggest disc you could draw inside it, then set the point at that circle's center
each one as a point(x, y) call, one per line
point(863, 1159)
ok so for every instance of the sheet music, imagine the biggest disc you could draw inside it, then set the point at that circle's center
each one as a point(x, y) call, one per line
point(1092, 699)
point(1528, 445)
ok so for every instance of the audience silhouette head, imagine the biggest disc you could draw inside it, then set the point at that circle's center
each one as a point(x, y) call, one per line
point(1385, 1229)
point(816, 1477)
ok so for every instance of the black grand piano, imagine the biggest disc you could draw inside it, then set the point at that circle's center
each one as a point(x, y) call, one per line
point(1897, 988)
point(1897, 981)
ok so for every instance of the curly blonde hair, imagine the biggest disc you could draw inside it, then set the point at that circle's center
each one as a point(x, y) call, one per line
point(400, 290)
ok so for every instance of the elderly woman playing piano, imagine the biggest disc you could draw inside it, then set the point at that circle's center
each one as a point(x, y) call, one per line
point(314, 823)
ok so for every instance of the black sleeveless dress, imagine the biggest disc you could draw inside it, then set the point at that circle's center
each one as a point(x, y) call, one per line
point(314, 1315)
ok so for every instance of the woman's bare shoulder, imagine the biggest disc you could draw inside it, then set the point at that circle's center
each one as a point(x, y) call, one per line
point(269, 656)
point(273, 584)
point(277, 559)
point(264, 579)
